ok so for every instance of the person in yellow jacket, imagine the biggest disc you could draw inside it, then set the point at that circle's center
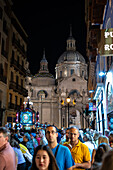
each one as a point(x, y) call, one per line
point(79, 150)
point(26, 153)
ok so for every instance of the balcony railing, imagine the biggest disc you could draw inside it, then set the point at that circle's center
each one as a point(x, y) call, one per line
point(18, 88)
point(17, 44)
point(13, 106)
point(18, 67)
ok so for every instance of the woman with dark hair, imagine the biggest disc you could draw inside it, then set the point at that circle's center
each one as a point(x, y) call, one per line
point(107, 162)
point(43, 159)
point(100, 152)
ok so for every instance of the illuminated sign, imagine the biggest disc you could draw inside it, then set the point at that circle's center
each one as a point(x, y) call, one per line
point(90, 106)
point(106, 45)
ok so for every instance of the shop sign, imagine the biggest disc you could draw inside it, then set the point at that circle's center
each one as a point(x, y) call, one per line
point(106, 45)
point(90, 106)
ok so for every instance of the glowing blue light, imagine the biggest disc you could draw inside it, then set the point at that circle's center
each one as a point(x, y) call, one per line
point(91, 91)
point(102, 73)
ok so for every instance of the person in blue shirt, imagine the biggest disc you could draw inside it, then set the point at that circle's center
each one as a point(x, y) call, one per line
point(62, 153)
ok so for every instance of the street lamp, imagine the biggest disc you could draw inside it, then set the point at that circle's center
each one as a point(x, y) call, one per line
point(68, 101)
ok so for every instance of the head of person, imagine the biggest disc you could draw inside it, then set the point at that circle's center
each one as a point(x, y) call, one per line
point(107, 132)
point(107, 162)
point(103, 139)
point(4, 136)
point(43, 159)
point(63, 132)
point(26, 137)
point(96, 136)
point(41, 133)
point(67, 134)
point(74, 134)
point(110, 136)
point(51, 134)
point(101, 150)
point(86, 137)
point(33, 135)
point(14, 143)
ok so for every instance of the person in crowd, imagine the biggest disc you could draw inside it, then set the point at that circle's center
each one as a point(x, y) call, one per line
point(28, 143)
point(107, 132)
point(38, 138)
point(79, 150)
point(66, 139)
point(21, 165)
point(107, 162)
point(28, 157)
point(88, 141)
point(43, 140)
point(43, 159)
point(7, 155)
point(35, 142)
point(100, 152)
point(110, 136)
point(62, 154)
point(101, 139)
point(95, 138)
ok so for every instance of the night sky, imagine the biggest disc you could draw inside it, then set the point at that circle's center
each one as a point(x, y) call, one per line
point(48, 25)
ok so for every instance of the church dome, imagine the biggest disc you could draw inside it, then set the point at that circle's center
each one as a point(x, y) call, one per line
point(71, 55)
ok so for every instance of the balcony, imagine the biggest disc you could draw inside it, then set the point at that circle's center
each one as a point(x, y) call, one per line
point(13, 106)
point(18, 67)
point(20, 48)
point(18, 88)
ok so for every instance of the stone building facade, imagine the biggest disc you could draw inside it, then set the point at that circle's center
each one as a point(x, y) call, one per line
point(49, 94)
point(13, 64)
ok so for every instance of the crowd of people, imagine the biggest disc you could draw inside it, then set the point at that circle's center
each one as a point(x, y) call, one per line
point(51, 148)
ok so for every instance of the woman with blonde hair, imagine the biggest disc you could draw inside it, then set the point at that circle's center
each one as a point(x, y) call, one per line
point(103, 139)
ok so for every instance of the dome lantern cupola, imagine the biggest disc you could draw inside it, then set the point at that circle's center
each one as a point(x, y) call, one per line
point(43, 64)
point(71, 42)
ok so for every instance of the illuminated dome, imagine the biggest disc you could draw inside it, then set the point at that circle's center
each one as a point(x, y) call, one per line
point(70, 55)
point(71, 62)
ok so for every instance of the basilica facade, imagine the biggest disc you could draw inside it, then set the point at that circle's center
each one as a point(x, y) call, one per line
point(49, 94)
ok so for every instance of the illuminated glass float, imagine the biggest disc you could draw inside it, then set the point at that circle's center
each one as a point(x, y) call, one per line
point(27, 117)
